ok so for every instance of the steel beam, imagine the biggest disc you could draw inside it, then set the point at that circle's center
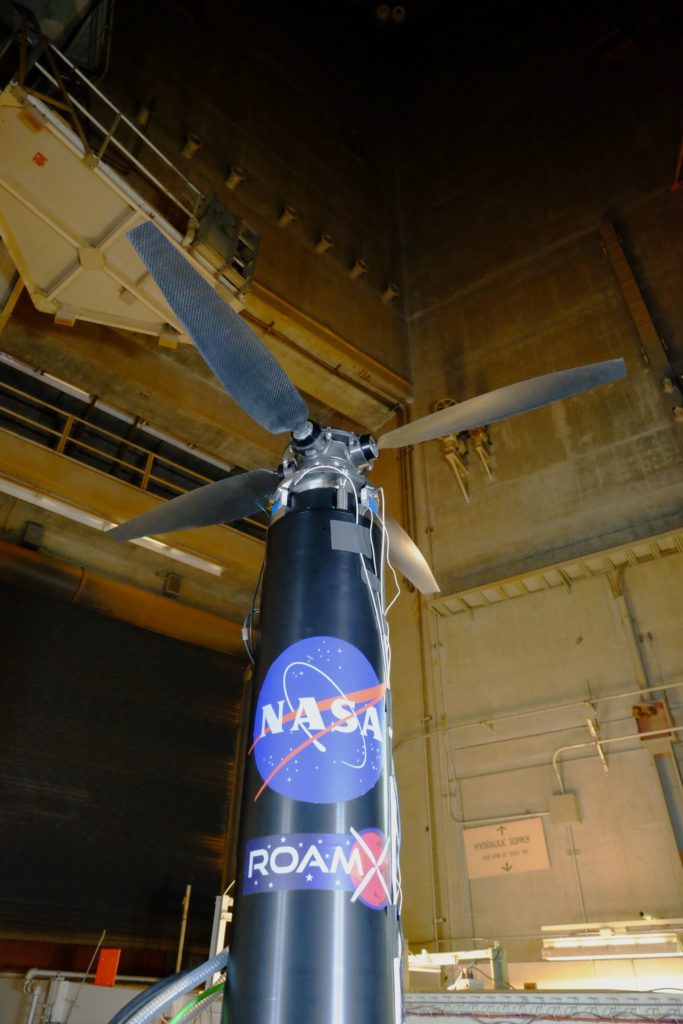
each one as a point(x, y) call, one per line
point(101, 495)
point(53, 577)
point(157, 387)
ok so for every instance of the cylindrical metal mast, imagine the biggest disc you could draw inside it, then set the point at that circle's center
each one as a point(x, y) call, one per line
point(315, 934)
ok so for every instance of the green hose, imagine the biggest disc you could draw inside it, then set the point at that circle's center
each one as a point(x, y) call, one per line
point(177, 1018)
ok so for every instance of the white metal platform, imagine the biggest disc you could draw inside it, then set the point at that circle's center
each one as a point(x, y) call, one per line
point(64, 214)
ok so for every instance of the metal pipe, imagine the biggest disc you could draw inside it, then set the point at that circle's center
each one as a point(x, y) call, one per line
point(500, 817)
point(546, 709)
point(50, 576)
point(630, 634)
point(489, 742)
point(577, 873)
point(378, 369)
point(34, 1002)
point(407, 472)
point(604, 742)
point(647, 693)
point(433, 672)
point(34, 973)
point(183, 926)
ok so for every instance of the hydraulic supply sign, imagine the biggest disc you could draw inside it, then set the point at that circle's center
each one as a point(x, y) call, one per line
point(506, 849)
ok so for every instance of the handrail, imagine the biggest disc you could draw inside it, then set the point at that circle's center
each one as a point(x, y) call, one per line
point(89, 135)
point(65, 437)
point(119, 116)
point(109, 138)
point(71, 106)
point(92, 426)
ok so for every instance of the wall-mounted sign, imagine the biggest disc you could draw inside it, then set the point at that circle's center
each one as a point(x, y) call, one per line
point(506, 849)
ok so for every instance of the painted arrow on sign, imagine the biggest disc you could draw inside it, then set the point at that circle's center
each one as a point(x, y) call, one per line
point(506, 867)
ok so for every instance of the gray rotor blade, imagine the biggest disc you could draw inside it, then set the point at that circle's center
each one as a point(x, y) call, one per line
point(405, 555)
point(235, 353)
point(504, 403)
point(221, 502)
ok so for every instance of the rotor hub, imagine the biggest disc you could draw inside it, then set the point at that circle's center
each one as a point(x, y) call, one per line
point(326, 457)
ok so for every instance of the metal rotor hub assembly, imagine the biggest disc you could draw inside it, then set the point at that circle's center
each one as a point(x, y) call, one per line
point(325, 457)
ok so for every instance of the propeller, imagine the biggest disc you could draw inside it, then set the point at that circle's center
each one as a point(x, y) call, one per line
point(257, 382)
point(504, 403)
point(405, 555)
point(220, 502)
point(235, 353)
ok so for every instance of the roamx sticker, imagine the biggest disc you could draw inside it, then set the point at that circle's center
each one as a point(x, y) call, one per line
point(353, 862)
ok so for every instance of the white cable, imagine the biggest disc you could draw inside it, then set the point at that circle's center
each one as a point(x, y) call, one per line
point(375, 601)
point(246, 629)
point(386, 546)
point(378, 602)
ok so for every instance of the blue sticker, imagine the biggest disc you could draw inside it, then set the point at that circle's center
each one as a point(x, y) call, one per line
point(320, 725)
point(353, 862)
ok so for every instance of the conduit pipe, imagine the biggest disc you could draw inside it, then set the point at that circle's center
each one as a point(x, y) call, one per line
point(32, 570)
point(385, 396)
point(674, 806)
point(603, 742)
point(634, 651)
point(406, 469)
point(36, 973)
point(546, 709)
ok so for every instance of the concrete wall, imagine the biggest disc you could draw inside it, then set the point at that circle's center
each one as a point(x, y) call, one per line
point(503, 194)
point(525, 137)
point(513, 684)
point(291, 95)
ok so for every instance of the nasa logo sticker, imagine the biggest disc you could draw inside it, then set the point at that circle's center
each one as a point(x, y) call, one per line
point(320, 724)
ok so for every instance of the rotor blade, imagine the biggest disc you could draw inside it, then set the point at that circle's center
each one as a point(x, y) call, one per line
point(221, 502)
point(235, 353)
point(504, 403)
point(405, 555)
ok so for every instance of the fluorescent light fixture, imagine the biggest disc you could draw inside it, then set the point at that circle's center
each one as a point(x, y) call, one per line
point(61, 508)
point(17, 363)
point(30, 371)
point(179, 556)
point(64, 385)
point(613, 944)
point(99, 523)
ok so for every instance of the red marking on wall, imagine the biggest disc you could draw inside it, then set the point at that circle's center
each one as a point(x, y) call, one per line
point(40, 159)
